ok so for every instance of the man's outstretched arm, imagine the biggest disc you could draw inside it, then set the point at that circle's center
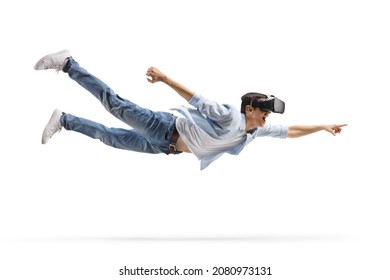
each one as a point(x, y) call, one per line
point(295, 131)
point(155, 75)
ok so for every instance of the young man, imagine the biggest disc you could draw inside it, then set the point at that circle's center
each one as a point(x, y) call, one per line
point(208, 130)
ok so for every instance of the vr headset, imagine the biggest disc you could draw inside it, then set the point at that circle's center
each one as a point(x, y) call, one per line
point(272, 104)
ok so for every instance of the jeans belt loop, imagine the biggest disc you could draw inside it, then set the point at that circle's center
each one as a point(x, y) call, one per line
point(172, 145)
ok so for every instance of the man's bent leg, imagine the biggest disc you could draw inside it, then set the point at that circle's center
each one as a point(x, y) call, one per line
point(125, 110)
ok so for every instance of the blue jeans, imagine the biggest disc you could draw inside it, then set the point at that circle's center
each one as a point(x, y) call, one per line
point(150, 131)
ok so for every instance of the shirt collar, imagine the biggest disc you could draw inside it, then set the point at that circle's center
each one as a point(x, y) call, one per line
point(243, 125)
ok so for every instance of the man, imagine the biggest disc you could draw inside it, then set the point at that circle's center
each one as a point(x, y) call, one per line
point(208, 130)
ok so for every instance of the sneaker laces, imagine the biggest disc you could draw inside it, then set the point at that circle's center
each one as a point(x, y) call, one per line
point(59, 68)
point(55, 130)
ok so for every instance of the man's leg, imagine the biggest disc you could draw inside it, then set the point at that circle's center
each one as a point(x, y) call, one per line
point(114, 137)
point(144, 120)
point(125, 110)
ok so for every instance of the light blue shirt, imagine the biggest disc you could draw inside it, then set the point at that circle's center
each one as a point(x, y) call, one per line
point(222, 121)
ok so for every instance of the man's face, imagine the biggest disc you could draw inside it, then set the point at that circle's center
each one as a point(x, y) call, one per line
point(256, 117)
point(260, 117)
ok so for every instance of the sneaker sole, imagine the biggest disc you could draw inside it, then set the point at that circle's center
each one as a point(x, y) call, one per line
point(54, 115)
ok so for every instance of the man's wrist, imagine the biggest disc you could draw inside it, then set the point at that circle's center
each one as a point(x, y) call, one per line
point(165, 79)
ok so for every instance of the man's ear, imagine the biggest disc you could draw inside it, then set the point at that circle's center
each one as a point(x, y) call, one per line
point(248, 108)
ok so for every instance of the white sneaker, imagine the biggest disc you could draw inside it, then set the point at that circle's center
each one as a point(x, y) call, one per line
point(53, 126)
point(55, 61)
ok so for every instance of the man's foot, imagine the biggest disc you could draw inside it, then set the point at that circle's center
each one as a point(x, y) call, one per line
point(55, 61)
point(53, 126)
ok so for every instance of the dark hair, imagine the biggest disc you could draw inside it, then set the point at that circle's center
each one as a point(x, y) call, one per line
point(247, 99)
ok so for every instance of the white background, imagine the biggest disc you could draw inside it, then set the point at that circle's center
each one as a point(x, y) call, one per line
point(310, 208)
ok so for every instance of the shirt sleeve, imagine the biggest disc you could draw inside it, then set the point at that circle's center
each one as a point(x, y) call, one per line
point(277, 131)
point(211, 109)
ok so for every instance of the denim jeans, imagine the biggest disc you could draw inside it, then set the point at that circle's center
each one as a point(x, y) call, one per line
point(150, 131)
